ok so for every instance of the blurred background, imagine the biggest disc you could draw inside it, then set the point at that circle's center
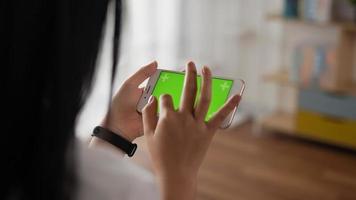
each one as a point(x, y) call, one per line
point(294, 136)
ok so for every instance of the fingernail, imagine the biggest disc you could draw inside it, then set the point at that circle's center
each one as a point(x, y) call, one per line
point(205, 70)
point(153, 63)
point(150, 100)
point(236, 98)
point(191, 67)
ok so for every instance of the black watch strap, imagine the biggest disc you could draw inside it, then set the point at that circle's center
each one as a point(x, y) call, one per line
point(116, 140)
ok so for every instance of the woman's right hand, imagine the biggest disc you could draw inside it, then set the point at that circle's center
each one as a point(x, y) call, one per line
point(178, 140)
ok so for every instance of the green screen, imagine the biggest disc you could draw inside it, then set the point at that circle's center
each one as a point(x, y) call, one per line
point(172, 83)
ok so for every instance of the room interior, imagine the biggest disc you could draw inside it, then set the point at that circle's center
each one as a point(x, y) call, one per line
point(294, 135)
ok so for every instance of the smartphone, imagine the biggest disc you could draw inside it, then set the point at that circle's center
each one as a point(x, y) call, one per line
point(171, 82)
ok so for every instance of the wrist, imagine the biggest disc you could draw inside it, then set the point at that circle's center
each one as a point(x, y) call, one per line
point(96, 142)
point(115, 140)
point(121, 131)
point(178, 187)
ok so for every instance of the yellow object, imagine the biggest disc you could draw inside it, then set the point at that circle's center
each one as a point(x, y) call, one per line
point(327, 129)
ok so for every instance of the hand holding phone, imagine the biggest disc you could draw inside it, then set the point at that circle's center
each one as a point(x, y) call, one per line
point(179, 138)
point(171, 82)
point(122, 116)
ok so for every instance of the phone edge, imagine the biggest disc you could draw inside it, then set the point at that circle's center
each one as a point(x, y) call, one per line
point(155, 77)
point(232, 114)
point(152, 78)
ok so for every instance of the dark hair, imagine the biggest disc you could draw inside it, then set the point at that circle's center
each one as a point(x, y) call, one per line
point(49, 51)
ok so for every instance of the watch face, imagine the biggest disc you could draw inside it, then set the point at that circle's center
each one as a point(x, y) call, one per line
point(134, 147)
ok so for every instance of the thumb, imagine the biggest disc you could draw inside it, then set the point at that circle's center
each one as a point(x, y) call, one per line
point(149, 115)
point(142, 74)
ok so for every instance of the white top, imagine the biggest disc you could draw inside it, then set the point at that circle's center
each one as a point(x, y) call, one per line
point(103, 175)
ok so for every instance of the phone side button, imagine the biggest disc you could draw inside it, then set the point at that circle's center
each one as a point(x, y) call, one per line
point(148, 88)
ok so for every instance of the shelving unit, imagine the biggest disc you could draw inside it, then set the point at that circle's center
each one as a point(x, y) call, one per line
point(340, 80)
point(345, 26)
point(280, 122)
point(282, 78)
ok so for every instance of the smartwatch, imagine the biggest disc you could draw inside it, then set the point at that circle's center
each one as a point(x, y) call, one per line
point(115, 139)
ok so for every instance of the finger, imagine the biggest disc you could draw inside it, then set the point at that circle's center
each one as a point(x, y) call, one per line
point(149, 116)
point(205, 96)
point(220, 116)
point(141, 89)
point(142, 74)
point(189, 89)
point(166, 104)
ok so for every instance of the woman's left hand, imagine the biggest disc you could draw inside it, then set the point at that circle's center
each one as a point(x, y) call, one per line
point(123, 117)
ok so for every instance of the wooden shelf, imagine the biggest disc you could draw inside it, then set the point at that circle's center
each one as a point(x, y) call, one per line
point(282, 78)
point(345, 26)
point(285, 123)
point(280, 122)
point(337, 79)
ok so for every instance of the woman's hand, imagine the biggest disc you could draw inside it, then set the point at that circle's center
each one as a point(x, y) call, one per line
point(123, 117)
point(178, 140)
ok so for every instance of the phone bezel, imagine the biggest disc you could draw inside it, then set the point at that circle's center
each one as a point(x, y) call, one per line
point(153, 80)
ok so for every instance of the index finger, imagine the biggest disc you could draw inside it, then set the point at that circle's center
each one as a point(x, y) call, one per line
point(189, 89)
point(149, 116)
point(142, 74)
point(205, 95)
point(220, 116)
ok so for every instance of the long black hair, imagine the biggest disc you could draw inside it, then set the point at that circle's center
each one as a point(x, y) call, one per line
point(48, 50)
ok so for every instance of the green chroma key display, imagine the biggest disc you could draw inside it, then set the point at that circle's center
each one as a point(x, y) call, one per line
point(172, 83)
